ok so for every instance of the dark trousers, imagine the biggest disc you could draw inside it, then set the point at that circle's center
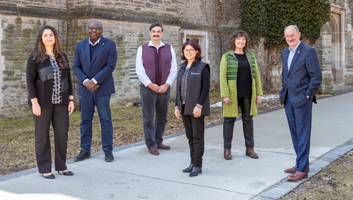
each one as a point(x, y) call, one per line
point(59, 116)
point(87, 104)
point(299, 121)
point(154, 103)
point(195, 132)
point(248, 125)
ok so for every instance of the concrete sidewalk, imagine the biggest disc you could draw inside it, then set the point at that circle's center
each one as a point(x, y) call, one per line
point(135, 174)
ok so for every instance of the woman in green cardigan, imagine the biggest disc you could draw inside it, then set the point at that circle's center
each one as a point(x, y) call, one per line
point(240, 87)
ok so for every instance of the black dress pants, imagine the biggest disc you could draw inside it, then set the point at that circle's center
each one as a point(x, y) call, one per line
point(195, 132)
point(59, 116)
point(248, 125)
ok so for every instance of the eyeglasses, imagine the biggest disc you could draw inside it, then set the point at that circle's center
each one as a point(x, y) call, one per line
point(92, 29)
point(189, 50)
point(289, 36)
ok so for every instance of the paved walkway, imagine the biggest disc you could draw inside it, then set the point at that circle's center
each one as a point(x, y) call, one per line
point(135, 174)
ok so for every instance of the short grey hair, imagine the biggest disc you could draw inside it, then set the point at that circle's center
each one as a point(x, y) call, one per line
point(294, 26)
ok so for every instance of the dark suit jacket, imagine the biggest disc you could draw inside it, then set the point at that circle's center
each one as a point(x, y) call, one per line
point(101, 68)
point(40, 82)
point(304, 76)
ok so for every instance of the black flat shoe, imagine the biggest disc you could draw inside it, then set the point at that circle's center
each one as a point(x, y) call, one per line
point(195, 171)
point(49, 176)
point(188, 169)
point(68, 173)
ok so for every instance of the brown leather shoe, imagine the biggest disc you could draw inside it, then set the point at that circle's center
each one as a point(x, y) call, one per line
point(227, 154)
point(162, 146)
point(154, 151)
point(250, 152)
point(297, 176)
point(292, 170)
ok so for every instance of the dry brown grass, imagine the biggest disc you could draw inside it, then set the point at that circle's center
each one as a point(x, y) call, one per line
point(17, 135)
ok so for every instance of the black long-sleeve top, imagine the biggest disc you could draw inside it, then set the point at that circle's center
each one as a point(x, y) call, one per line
point(244, 76)
point(40, 82)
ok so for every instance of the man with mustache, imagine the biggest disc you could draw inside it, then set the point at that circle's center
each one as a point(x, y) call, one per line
point(301, 78)
point(156, 68)
point(94, 62)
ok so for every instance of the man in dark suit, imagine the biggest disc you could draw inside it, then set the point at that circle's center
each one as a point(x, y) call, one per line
point(301, 78)
point(94, 62)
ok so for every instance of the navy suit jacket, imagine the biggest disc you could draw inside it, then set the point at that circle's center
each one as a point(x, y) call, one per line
point(101, 68)
point(303, 78)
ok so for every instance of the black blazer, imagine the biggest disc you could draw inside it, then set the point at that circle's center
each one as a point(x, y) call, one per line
point(40, 82)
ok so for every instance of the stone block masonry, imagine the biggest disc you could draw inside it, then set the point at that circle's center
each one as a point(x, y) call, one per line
point(18, 38)
point(127, 23)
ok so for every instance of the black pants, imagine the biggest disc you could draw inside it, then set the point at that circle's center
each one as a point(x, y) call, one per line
point(59, 116)
point(195, 132)
point(248, 125)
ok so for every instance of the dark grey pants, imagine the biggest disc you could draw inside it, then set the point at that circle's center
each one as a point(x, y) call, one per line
point(248, 125)
point(59, 116)
point(154, 103)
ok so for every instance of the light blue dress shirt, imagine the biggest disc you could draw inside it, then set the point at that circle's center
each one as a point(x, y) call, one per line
point(291, 54)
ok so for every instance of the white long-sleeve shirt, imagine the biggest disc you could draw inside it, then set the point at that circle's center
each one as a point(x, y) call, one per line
point(141, 72)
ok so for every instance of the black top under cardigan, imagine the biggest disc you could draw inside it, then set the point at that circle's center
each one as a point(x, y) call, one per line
point(198, 87)
point(40, 82)
point(244, 77)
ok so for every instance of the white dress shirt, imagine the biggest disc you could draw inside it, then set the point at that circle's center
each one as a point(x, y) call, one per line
point(291, 54)
point(141, 72)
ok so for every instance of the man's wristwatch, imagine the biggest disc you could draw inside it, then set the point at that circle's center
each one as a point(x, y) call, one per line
point(71, 99)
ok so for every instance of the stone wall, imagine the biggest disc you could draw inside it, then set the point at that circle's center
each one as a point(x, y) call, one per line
point(18, 37)
point(127, 22)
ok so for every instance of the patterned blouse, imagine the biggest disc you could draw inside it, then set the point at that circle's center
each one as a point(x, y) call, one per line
point(56, 95)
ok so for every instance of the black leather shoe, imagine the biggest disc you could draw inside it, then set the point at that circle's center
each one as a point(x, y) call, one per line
point(82, 155)
point(67, 173)
point(195, 171)
point(108, 156)
point(188, 169)
point(49, 176)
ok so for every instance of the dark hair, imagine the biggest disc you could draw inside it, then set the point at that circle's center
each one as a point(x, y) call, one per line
point(97, 22)
point(156, 24)
point(195, 45)
point(237, 34)
point(40, 51)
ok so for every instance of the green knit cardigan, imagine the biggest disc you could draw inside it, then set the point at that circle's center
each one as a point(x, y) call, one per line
point(228, 83)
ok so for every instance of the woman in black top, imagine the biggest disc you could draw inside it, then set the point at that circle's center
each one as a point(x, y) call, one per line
point(51, 99)
point(192, 101)
point(240, 87)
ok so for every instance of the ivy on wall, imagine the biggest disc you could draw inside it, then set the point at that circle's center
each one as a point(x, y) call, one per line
point(267, 19)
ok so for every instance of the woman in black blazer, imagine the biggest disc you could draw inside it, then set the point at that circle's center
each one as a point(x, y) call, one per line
point(192, 101)
point(51, 99)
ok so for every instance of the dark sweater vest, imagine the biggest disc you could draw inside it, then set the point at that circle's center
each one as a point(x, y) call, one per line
point(157, 64)
point(194, 88)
